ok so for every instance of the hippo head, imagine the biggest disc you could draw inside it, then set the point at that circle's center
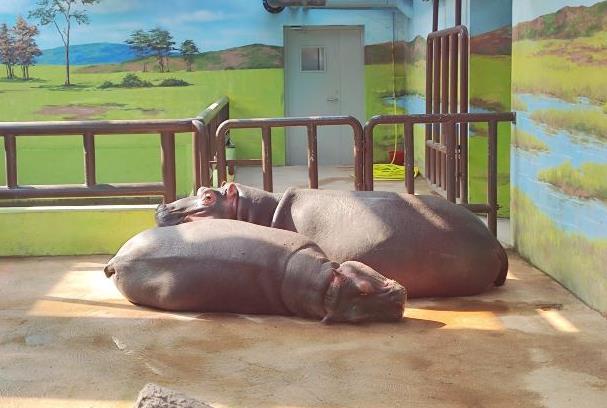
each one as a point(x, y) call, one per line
point(207, 203)
point(358, 293)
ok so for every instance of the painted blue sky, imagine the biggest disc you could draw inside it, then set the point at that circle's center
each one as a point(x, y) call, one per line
point(212, 24)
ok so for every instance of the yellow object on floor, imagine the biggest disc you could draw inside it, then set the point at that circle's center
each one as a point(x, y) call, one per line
point(391, 172)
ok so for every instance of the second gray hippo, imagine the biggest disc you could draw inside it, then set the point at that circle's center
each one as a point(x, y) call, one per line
point(431, 246)
point(236, 267)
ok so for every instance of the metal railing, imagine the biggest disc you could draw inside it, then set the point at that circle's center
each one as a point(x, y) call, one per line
point(447, 60)
point(203, 140)
point(89, 130)
point(446, 146)
point(311, 124)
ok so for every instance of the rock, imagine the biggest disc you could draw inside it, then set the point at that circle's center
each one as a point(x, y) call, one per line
point(155, 396)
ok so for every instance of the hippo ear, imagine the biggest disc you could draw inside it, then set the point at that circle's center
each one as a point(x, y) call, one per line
point(231, 190)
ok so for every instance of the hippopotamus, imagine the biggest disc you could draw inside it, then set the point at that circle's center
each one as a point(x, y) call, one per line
point(433, 247)
point(236, 267)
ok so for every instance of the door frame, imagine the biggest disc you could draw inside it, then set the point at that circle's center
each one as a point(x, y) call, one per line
point(286, 28)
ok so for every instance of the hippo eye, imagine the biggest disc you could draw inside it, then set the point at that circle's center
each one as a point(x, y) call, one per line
point(208, 199)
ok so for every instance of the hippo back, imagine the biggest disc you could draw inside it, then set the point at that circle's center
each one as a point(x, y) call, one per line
point(216, 265)
point(431, 246)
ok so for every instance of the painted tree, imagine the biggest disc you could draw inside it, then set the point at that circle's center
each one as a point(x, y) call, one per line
point(139, 41)
point(62, 14)
point(188, 51)
point(7, 50)
point(161, 42)
point(26, 49)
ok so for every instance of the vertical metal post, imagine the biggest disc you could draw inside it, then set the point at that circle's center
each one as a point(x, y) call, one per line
point(196, 155)
point(434, 155)
point(458, 12)
point(429, 70)
point(10, 151)
point(220, 140)
point(409, 159)
point(312, 157)
point(167, 147)
point(453, 84)
point(266, 157)
point(463, 127)
point(492, 178)
point(444, 103)
point(359, 155)
point(449, 132)
point(90, 176)
point(434, 15)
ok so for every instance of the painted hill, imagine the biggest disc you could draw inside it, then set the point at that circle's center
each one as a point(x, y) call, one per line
point(566, 23)
point(383, 53)
point(86, 54)
point(246, 57)
point(497, 42)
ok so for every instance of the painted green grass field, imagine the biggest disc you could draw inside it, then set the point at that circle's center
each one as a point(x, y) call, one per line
point(255, 92)
point(548, 66)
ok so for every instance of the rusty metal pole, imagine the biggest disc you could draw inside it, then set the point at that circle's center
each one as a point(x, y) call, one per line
point(167, 147)
point(312, 157)
point(10, 151)
point(409, 159)
point(450, 175)
point(463, 108)
point(492, 178)
point(444, 103)
point(458, 12)
point(266, 157)
point(434, 155)
point(90, 177)
point(429, 70)
point(435, 15)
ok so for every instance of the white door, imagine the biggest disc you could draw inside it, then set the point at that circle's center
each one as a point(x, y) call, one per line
point(324, 76)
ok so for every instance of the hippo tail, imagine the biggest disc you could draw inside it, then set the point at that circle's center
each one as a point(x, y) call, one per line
point(109, 269)
point(503, 258)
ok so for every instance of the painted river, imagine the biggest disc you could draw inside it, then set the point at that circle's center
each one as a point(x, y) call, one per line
point(586, 217)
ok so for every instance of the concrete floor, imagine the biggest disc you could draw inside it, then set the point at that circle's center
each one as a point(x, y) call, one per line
point(68, 339)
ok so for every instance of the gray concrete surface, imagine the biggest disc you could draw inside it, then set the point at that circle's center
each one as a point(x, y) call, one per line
point(69, 339)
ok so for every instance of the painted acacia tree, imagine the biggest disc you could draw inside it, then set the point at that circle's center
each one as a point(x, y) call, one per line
point(161, 43)
point(7, 50)
point(62, 14)
point(26, 49)
point(139, 41)
point(188, 51)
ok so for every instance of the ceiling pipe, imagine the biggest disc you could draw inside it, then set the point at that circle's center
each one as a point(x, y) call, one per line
point(404, 6)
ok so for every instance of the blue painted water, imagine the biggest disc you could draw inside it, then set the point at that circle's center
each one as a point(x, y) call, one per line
point(586, 217)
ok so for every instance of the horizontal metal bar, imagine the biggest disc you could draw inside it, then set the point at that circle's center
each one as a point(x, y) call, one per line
point(80, 190)
point(478, 208)
point(288, 122)
point(212, 110)
point(241, 162)
point(458, 29)
point(441, 118)
point(96, 127)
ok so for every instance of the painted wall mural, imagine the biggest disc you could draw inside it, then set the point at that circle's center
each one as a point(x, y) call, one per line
point(155, 59)
point(559, 156)
point(489, 23)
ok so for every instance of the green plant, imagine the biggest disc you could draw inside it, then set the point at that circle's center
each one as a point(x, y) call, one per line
point(106, 85)
point(173, 82)
point(133, 81)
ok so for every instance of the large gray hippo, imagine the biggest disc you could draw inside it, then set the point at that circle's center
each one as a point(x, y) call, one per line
point(238, 267)
point(431, 246)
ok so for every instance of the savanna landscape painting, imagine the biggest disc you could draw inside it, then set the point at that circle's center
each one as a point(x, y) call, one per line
point(154, 59)
point(559, 157)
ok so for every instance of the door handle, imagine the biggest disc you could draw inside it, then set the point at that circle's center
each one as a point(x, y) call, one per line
point(333, 99)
